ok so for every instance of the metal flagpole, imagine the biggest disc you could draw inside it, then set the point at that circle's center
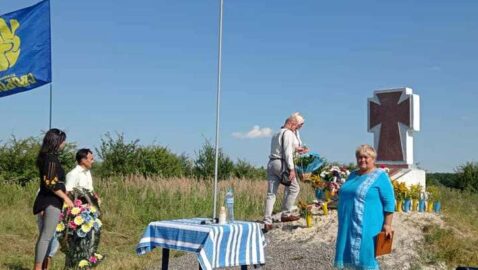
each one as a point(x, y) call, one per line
point(218, 103)
point(51, 71)
point(51, 103)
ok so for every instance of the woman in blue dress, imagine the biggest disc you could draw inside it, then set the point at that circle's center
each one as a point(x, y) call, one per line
point(366, 206)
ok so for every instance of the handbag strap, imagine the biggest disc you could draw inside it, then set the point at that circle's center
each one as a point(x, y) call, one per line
point(283, 150)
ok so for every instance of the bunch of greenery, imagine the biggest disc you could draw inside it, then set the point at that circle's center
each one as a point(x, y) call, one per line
point(400, 189)
point(434, 193)
point(415, 191)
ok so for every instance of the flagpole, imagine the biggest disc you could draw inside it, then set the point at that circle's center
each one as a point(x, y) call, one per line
point(218, 103)
point(51, 103)
point(51, 71)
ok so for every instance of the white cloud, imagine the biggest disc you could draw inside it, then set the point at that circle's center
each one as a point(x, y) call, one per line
point(254, 133)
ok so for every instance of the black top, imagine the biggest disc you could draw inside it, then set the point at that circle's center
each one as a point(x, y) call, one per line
point(52, 178)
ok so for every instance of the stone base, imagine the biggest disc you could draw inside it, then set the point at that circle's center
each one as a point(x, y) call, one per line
point(410, 176)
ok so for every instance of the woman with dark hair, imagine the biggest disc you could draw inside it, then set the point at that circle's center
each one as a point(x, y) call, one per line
point(52, 195)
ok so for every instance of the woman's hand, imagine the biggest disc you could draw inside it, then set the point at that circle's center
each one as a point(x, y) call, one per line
point(388, 230)
point(69, 203)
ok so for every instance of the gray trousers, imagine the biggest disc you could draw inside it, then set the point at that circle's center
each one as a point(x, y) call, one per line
point(290, 194)
point(50, 220)
point(54, 244)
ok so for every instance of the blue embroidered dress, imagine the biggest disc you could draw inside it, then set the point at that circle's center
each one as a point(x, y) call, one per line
point(363, 201)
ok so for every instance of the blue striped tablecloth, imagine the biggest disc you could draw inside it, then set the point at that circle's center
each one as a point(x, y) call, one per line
point(239, 243)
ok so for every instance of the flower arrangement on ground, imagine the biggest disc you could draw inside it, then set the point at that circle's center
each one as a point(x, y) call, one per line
point(306, 212)
point(433, 197)
point(401, 192)
point(415, 192)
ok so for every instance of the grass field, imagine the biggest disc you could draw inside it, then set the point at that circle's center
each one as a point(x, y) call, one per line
point(130, 204)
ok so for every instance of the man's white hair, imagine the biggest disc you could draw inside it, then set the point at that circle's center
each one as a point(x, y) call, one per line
point(296, 117)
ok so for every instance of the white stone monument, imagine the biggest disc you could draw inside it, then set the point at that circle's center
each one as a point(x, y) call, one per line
point(393, 118)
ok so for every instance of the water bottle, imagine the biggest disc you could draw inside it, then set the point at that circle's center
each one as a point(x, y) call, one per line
point(229, 200)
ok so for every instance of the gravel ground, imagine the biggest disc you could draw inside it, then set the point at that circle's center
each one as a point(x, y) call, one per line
point(293, 246)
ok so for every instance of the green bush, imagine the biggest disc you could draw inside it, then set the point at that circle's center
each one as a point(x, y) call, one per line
point(118, 157)
point(125, 158)
point(464, 178)
point(245, 170)
point(205, 161)
point(446, 179)
point(18, 159)
point(159, 161)
point(467, 177)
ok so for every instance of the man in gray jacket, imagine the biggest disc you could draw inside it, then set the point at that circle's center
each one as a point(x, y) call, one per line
point(284, 145)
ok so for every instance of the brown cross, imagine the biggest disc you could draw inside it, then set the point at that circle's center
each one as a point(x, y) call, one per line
point(389, 113)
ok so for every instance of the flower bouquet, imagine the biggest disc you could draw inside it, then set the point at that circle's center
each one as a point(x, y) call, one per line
point(334, 176)
point(78, 232)
point(306, 164)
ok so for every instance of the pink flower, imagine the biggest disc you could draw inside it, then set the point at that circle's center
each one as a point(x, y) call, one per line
point(68, 211)
point(61, 216)
point(77, 203)
point(93, 259)
point(72, 225)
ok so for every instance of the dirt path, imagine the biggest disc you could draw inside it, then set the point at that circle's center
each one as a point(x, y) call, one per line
point(292, 246)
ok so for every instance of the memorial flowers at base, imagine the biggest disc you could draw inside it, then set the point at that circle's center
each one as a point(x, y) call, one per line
point(415, 192)
point(78, 232)
point(328, 181)
point(433, 199)
point(401, 192)
point(306, 212)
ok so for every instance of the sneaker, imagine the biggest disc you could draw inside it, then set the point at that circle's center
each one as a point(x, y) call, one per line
point(289, 218)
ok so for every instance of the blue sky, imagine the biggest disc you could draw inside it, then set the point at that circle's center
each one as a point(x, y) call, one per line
point(148, 68)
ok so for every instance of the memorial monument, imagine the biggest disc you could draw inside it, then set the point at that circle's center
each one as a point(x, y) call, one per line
point(394, 118)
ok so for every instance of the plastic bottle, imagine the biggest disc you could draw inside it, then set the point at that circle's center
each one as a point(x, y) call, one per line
point(229, 200)
point(222, 215)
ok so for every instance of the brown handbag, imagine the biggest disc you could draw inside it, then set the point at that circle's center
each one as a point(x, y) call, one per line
point(383, 244)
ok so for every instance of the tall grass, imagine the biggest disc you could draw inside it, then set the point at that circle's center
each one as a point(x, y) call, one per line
point(457, 242)
point(128, 206)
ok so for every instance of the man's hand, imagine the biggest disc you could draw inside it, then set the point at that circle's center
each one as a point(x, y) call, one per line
point(98, 198)
point(302, 150)
point(292, 175)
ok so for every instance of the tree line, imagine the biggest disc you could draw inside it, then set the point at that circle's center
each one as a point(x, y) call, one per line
point(115, 156)
point(118, 157)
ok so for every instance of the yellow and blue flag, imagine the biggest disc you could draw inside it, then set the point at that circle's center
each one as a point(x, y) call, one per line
point(25, 49)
